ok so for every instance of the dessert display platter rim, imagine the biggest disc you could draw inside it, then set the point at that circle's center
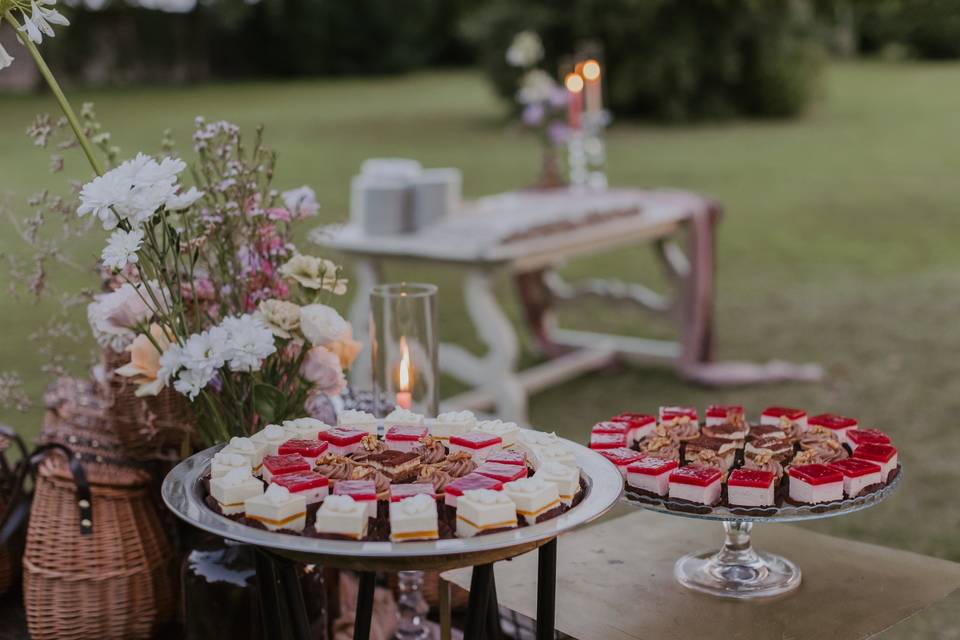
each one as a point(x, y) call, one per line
point(785, 513)
point(183, 495)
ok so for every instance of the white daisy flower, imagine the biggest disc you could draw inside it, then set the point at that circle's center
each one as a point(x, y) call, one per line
point(250, 341)
point(184, 200)
point(122, 249)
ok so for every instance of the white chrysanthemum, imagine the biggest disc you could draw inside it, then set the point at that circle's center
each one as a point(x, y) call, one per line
point(122, 249)
point(184, 200)
point(321, 324)
point(301, 203)
point(5, 58)
point(525, 51)
point(192, 381)
point(249, 341)
point(206, 351)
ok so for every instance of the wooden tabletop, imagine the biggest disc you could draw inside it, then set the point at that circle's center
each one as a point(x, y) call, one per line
point(615, 581)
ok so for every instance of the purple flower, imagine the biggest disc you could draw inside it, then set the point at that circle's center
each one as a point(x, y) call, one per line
point(533, 114)
point(558, 132)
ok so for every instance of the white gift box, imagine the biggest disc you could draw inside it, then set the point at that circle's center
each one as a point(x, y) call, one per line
point(435, 194)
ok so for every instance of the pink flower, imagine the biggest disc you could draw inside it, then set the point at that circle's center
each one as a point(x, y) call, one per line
point(279, 213)
point(199, 289)
point(321, 368)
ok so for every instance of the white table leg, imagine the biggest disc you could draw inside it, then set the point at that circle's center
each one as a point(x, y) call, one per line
point(368, 273)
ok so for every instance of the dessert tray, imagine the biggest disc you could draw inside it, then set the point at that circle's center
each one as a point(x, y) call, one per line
point(184, 492)
point(738, 473)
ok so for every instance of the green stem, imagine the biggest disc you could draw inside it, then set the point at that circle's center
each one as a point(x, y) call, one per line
point(57, 93)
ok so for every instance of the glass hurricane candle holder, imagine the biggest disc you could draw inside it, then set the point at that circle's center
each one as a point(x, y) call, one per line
point(404, 347)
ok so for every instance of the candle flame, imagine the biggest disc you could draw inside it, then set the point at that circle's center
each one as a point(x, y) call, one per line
point(405, 374)
point(573, 82)
point(591, 70)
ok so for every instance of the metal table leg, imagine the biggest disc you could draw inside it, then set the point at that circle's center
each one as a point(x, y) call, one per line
point(546, 590)
point(270, 617)
point(477, 620)
point(296, 608)
point(282, 609)
point(493, 611)
point(365, 591)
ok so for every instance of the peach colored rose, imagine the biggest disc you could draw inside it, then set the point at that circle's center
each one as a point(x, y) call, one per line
point(145, 361)
point(346, 349)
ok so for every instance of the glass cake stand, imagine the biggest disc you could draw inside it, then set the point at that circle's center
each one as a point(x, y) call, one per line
point(738, 570)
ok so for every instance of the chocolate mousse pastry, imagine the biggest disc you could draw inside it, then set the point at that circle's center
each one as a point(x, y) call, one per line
point(335, 467)
point(763, 460)
point(381, 483)
point(826, 445)
point(371, 444)
point(400, 466)
point(663, 447)
point(759, 431)
point(711, 452)
point(808, 456)
point(458, 464)
point(431, 451)
point(436, 476)
point(681, 427)
point(781, 448)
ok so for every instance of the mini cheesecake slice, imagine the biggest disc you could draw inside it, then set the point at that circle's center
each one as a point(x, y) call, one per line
point(413, 518)
point(792, 421)
point(504, 456)
point(501, 472)
point(484, 510)
point(310, 484)
point(342, 516)
point(639, 425)
point(556, 452)
point(310, 450)
point(534, 497)
point(696, 484)
point(271, 437)
point(857, 437)
point(839, 425)
point(621, 458)
point(651, 474)
point(278, 509)
point(815, 483)
point(362, 491)
point(225, 462)
point(857, 475)
point(231, 490)
point(478, 444)
point(718, 414)
point(304, 428)
point(405, 437)
point(248, 448)
point(506, 431)
point(400, 491)
point(360, 420)
point(452, 423)
point(402, 418)
point(456, 488)
point(884, 455)
point(602, 441)
point(529, 440)
point(566, 478)
point(274, 466)
point(343, 441)
point(751, 488)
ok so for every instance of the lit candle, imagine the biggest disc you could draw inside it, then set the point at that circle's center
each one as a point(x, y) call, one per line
point(591, 73)
point(574, 84)
point(404, 377)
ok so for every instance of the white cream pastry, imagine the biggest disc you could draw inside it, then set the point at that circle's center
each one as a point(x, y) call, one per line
point(225, 462)
point(402, 418)
point(482, 510)
point(533, 497)
point(272, 436)
point(277, 508)
point(305, 428)
point(566, 478)
point(343, 516)
point(556, 452)
point(528, 440)
point(452, 423)
point(414, 518)
point(231, 490)
point(358, 420)
point(508, 431)
point(248, 448)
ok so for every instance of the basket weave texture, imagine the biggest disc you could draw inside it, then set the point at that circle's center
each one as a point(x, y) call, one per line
point(115, 583)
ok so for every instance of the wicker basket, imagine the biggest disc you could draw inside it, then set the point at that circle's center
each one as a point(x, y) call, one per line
point(114, 583)
point(12, 506)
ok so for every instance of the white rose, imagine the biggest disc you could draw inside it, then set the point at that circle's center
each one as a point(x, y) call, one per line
point(282, 317)
point(321, 324)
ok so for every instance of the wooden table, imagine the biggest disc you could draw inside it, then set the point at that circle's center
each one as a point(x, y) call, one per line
point(615, 582)
point(529, 235)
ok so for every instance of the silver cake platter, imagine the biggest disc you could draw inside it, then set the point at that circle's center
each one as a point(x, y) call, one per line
point(183, 494)
point(737, 570)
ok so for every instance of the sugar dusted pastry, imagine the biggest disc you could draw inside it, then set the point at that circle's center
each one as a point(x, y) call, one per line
point(248, 448)
point(271, 436)
point(651, 474)
point(506, 431)
point(414, 518)
point(305, 428)
point(343, 440)
point(528, 440)
point(362, 491)
point(556, 452)
point(360, 420)
point(277, 509)
point(502, 472)
point(482, 511)
point(601, 441)
point(621, 458)
point(505, 456)
point(692, 483)
point(279, 465)
point(405, 437)
point(667, 414)
point(750, 488)
point(566, 478)
point(455, 489)
point(639, 425)
point(341, 515)
point(479, 444)
point(815, 483)
point(839, 425)
point(310, 450)
point(452, 423)
point(534, 497)
point(857, 475)
point(225, 462)
point(724, 414)
point(403, 418)
point(884, 455)
point(309, 484)
point(231, 490)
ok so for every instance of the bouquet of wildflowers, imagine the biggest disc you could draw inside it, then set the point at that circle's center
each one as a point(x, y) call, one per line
point(208, 294)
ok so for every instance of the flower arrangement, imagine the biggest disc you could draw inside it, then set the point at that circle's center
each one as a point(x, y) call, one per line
point(207, 292)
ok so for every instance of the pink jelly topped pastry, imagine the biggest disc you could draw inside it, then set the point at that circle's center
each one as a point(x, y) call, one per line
point(832, 422)
point(279, 465)
point(400, 491)
point(621, 457)
point(696, 475)
point(506, 456)
point(607, 440)
point(307, 448)
point(815, 474)
point(857, 437)
point(301, 481)
point(634, 419)
point(750, 478)
point(784, 412)
point(455, 489)
point(475, 440)
point(855, 467)
point(671, 413)
point(610, 427)
point(501, 472)
point(342, 436)
point(356, 489)
point(876, 452)
point(651, 466)
point(406, 432)
point(723, 411)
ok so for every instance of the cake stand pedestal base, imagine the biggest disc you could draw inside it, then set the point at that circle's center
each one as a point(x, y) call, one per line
point(737, 570)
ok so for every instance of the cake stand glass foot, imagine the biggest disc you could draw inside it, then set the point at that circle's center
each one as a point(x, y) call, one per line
point(737, 570)
point(412, 608)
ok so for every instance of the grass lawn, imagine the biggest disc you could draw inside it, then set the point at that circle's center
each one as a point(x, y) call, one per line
point(838, 244)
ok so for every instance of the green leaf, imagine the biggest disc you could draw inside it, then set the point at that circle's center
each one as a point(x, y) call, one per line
point(268, 401)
